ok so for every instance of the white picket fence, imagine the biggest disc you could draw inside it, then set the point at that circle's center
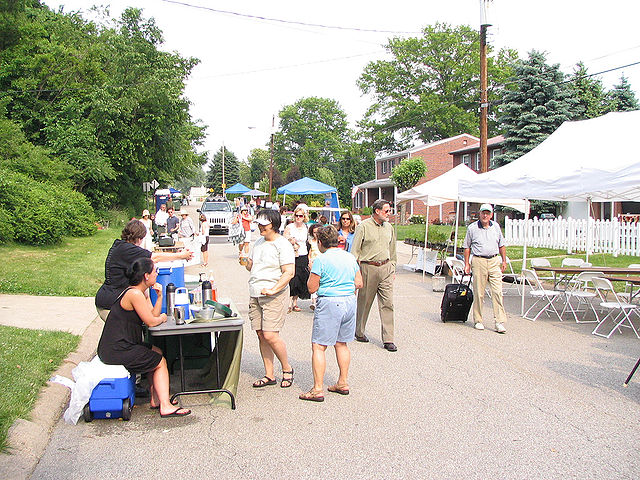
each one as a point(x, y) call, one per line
point(607, 236)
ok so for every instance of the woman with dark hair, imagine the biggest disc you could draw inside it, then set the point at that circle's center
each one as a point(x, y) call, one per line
point(121, 341)
point(122, 254)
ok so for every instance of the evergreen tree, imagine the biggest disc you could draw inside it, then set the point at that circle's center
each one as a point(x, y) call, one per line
point(588, 92)
point(231, 171)
point(536, 103)
point(622, 98)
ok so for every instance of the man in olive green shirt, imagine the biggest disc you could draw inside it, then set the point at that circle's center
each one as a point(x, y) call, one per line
point(374, 246)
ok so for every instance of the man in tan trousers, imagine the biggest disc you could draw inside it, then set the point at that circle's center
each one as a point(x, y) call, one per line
point(485, 242)
point(374, 246)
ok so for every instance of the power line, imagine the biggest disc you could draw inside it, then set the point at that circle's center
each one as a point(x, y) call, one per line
point(289, 22)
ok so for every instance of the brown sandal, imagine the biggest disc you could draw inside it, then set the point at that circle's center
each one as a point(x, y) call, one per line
point(286, 382)
point(312, 396)
point(338, 389)
point(264, 381)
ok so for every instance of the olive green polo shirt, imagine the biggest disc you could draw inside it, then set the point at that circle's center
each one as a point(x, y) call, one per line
point(373, 242)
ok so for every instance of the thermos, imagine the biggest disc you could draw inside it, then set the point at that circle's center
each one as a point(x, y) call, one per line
point(171, 299)
point(206, 291)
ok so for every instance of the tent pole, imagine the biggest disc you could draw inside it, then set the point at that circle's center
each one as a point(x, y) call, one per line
point(524, 251)
point(588, 246)
point(426, 235)
point(455, 241)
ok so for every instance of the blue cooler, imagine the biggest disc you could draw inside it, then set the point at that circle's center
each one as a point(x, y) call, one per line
point(111, 398)
point(168, 272)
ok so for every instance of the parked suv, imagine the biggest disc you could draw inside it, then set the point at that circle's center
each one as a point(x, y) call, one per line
point(219, 214)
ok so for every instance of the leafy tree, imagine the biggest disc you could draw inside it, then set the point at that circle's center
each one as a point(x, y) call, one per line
point(408, 172)
point(357, 167)
point(231, 170)
point(588, 92)
point(293, 174)
point(313, 132)
point(621, 98)
point(537, 102)
point(430, 89)
point(257, 166)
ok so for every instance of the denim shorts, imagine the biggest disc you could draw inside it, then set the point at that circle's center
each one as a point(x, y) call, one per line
point(334, 320)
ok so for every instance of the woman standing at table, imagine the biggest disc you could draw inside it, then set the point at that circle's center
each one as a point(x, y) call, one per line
point(271, 263)
point(121, 341)
point(122, 254)
point(297, 233)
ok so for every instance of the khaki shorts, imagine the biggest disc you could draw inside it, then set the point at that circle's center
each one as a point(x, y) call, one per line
point(267, 313)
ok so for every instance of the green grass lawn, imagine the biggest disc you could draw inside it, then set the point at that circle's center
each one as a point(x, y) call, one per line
point(73, 268)
point(27, 360)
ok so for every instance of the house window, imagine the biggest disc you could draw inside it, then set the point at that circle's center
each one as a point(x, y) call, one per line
point(383, 166)
point(492, 155)
point(478, 166)
point(466, 160)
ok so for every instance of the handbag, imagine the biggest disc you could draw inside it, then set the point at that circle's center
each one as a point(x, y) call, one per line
point(236, 233)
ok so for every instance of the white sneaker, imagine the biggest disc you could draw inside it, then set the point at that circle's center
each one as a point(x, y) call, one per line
point(478, 326)
point(500, 328)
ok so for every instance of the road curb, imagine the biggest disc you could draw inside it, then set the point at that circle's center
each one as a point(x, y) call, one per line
point(27, 439)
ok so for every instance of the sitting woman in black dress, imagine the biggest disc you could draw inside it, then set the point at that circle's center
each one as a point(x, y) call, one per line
point(121, 341)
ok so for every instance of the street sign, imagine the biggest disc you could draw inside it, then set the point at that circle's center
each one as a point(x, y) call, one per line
point(146, 186)
point(154, 184)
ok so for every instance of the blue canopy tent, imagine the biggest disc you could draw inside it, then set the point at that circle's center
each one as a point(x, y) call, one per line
point(309, 186)
point(237, 188)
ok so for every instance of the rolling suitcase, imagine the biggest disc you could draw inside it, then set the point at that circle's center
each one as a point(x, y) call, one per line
point(456, 301)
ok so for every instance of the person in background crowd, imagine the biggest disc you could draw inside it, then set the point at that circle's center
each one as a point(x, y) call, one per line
point(121, 340)
point(173, 222)
point(484, 240)
point(161, 219)
point(335, 276)
point(323, 220)
point(170, 204)
point(326, 211)
point(297, 234)
point(313, 218)
point(154, 227)
point(314, 252)
point(374, 246)
point(147, 241)
point(283, 218)
point(122, 254)
point(245, 218)
point(346, 231)
point(186, 228)
point(204, 233)
point(271, 263)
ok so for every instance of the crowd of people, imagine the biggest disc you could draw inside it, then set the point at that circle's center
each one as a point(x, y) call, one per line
point(297, 256)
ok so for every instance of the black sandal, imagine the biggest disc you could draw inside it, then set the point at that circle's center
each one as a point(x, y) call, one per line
point(264, 381)
point(288, 380)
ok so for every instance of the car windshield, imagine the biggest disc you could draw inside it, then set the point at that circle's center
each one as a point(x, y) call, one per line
point(216, 207)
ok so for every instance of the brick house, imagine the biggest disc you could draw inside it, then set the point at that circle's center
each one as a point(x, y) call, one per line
point(438, 158)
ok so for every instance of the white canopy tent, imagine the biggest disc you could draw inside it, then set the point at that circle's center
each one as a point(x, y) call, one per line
point(444, 188)
point(592, 160)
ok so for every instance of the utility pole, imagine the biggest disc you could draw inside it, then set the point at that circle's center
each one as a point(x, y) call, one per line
point(273, 122)
point(484, 101)
point(224, 186)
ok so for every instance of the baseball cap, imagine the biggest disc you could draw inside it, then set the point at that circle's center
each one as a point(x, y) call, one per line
point(486, 207)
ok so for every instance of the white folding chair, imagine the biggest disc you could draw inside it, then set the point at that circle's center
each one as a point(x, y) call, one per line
point(540, 294)
point(567, 278)
point(610, 301)
point(456, 267)
point(584, 294)
point(629, 294)
point(512, 280)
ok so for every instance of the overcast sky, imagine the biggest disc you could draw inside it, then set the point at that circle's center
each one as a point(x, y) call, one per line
point(250, 68)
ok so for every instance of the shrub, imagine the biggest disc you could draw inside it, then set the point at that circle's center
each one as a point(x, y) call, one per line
point(416, 219)
point(7, 233)
point(366, 211)
point(41, 213)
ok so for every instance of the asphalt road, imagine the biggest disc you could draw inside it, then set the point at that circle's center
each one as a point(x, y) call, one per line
point(544, 401)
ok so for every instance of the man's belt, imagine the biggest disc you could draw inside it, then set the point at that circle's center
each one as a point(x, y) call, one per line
point(377, 264)
point(486, 256)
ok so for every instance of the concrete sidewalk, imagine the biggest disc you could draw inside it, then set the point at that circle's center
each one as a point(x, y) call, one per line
point(543, 401)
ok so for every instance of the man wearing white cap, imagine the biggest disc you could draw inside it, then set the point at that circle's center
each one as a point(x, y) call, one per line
point(484, 241)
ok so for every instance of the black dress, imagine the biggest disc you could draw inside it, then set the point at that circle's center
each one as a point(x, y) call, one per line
point(121, 342)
